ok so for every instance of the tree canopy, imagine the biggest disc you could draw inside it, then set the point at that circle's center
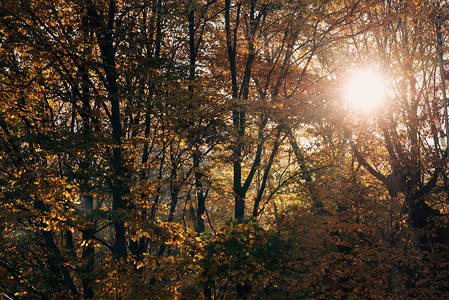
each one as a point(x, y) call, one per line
point(207, 149)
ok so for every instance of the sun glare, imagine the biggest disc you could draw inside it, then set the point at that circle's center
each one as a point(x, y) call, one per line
point(365, 91)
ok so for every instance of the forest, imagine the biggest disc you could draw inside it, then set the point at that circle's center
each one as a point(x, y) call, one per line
point(236, 149)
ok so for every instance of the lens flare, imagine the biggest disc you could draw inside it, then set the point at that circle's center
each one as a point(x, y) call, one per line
point(365, 91)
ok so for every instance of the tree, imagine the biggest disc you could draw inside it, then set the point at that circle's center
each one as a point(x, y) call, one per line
point(411, 125)
point(166, 149)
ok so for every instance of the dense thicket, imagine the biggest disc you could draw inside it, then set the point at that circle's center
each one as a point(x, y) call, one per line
point(165, 149)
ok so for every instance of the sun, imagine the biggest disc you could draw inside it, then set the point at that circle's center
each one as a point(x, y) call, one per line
point(365, 91)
